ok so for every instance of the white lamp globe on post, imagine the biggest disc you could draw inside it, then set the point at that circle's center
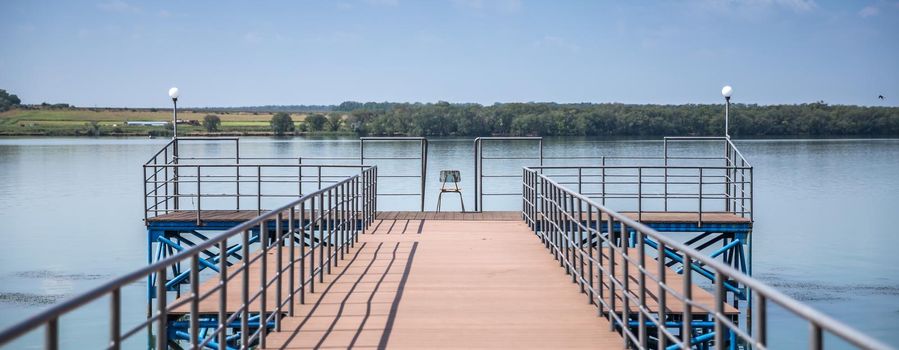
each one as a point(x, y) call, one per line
point(174, 93)
point(726, 91)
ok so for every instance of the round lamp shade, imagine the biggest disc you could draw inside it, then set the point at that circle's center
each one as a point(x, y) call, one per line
point(174, 93)
point(727, 91)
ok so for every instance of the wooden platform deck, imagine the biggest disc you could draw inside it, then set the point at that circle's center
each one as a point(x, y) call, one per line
point(438, 283)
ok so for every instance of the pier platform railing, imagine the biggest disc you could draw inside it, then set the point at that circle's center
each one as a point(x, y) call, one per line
point(175, 180)
point(599, 246)
point(661, 188)
point(726, 180)
point(311, 233)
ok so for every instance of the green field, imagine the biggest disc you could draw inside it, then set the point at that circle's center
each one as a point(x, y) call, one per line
point(86, 121)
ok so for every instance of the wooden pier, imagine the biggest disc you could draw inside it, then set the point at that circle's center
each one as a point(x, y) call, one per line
point(441, 280)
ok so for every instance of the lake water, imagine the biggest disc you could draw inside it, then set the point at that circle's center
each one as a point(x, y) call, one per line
point(825, 211)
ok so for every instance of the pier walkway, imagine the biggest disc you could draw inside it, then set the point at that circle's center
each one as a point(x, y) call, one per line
point(445, 284)
point(451, 280)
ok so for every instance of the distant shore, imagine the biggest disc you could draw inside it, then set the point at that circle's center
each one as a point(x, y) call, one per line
point(115, 122)
point(606, 120)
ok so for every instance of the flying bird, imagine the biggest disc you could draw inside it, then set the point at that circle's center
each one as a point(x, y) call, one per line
point(880, 96)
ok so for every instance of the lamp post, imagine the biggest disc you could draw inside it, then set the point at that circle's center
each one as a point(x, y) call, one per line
point(174, 93)
point(726, 91)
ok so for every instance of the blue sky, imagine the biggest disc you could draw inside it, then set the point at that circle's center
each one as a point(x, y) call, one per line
point(235, 53)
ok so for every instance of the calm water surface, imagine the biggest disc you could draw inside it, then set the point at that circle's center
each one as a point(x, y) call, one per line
point(71, 217)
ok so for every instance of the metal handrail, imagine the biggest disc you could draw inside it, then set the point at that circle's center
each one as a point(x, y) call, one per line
point(161, 196)
point(169, 154)
point(649, 184)
point(423, 157)
point(479, 162)
point(567, 222)
point(735, 177)
point(348, 202)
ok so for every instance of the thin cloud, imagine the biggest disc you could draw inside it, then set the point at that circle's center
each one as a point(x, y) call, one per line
point(118, 6)
point(794, 5)
point(502, 6)
point(382, 2)
point(252, 37)
point(869, 11)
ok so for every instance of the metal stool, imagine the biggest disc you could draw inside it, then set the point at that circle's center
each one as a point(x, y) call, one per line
point(454, 177)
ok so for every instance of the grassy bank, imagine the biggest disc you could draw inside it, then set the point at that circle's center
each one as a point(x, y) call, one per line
point(112, 122)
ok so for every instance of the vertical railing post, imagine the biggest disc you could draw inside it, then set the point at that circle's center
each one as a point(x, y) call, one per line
point(641, 261)
point(665, 163)
point(258, 190)
point(199, 197)
point(720, 300)
point(424, 170)
point(662, 270)
point(321, 237)
point(115, 319)
point(245, 289)
point(279, 267)
point(147, 195)
point(302, 269)
point(51, 335)
point(760, 336)
point(815, 339)
point(175, 191)
point(312, 219)
point(640, 194)
point(330, 225)
point(194, 301)
point(700, 196)
point(300, 177)
point(611, 273)
point(263, 282)
point(223, 294)
point(687, 332)
point(161, 312)
point(291, 236)
point(580, 246)
point(540, 144)
point(727, 164)
point(580, 180)
point(625, 288)
point(480, 167)
point(603, 180)
point(477, 173)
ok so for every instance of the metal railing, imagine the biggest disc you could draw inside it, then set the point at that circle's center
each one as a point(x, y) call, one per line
point(671, 188)
point(606, 254)
point(735, 177)
point(479, 165)
point(198, 187)
point(324, 223)
point(171, 178)
point(731, 171)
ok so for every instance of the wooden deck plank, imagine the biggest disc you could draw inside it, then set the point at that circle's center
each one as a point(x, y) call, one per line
point(460, 284)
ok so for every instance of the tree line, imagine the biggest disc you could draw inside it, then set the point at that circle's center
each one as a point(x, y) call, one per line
point(606, 119)
point(8, 100)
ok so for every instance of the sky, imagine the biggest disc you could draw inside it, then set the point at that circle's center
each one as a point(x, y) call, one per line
point(118, 53)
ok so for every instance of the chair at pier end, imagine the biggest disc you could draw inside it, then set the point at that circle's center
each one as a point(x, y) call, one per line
point(450, 177)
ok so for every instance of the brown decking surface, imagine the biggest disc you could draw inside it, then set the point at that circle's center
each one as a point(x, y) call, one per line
point(445, 284)
point(419, 283)
point(647, 217)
